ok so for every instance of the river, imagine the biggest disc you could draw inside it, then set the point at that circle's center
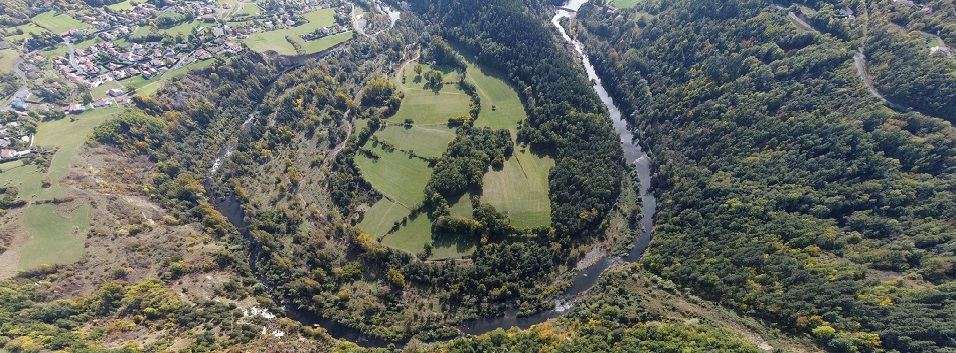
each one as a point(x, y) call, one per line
point(582, 281)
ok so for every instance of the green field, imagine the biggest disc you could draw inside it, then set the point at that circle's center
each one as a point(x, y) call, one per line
point(59, 23)
point(520, 188)
point(395, 175)
point(324, 43)
point(8, 59)
point(67, 137)
point(625, 4)
point(54, 239)
point(28, 29)
point(413, 236)
point(275, 40)
point(425, 107)
point(250, 9)
point(100, 91)
point(183, 29)
point(427, 141)
point(59, 50)
point(122, 6)
point(379, 219)
point(500, 106)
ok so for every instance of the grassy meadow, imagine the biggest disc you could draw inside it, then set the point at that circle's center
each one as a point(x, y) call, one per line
point(28, 29)
point(379, 219)
point(8, 59)
point(625, 4)
point(54, 238)
point(121, 6)
point(59, 23)
point(519, 189)
point(428, 141)
point(66, 137)
point(395, 175)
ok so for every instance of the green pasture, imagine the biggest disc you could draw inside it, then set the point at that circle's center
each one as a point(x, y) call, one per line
point(122, 6)
point(413, 236)
point(54, 239)
point(314, 46)
point(626, 4)
point(59, 23)
point(395, 175)
point(501, 107)
point(28, 29)
point(67, 137)
point(426, 107)
point(8, 59)
point(100, 91)
point(250, 9)
point(430, 141)
point(520, 189)
point(379, 219)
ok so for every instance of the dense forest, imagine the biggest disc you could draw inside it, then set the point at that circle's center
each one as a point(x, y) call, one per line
point(787, 192)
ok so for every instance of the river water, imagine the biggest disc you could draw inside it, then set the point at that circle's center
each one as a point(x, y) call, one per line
point(582, 280)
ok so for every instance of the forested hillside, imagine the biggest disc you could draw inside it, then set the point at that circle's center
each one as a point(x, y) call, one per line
point(787, 191)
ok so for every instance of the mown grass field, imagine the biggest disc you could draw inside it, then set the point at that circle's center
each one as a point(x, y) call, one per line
point(426, 107)
point(520, 188)
point(395, 175)
point(54, 239)
point(276, 40)
point(122, 6)
point(28, 29)
point(8, 59)
point(626, 4)
point(501, 107)
point(250, 9)
point(314, 46)
point(59, 23)
point(67, 137)
point(429, 141)
point(379, 219)
point(100, 91)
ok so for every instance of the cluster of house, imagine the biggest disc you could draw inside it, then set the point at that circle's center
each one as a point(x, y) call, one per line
point(324, 32)
point(943, 50)
point(925, 9)
point(10, 132)
point(105, 62)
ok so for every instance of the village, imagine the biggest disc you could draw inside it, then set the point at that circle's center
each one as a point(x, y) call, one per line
point(109, 54)
point(124, 51)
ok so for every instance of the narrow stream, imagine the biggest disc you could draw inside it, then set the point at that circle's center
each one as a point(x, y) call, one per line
point(582, 280)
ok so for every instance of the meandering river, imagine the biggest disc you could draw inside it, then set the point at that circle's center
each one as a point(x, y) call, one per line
point(582, 280)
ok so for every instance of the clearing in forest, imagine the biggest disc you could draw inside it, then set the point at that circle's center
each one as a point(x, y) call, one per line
point(520, 188)
point(394, 174)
